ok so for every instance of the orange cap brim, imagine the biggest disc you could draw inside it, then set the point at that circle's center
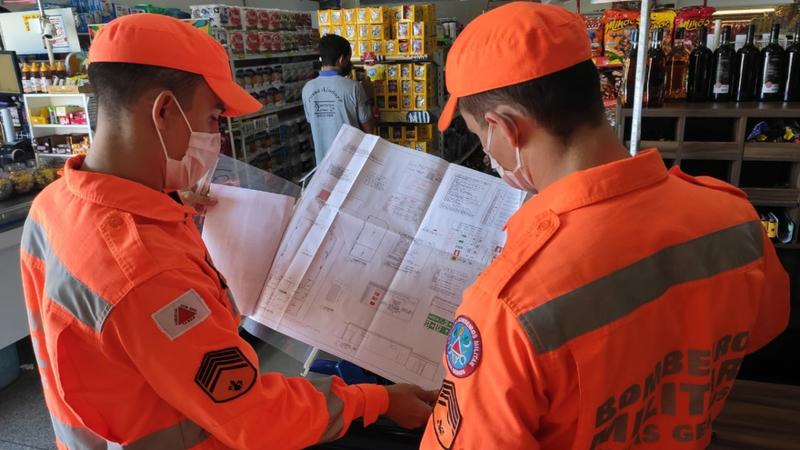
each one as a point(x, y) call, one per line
point(448, 113)
point(237, 101)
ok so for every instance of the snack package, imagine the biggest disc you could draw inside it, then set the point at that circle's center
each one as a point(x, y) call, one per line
point(250, 18)
point(664, 19)
point(263, 19)
point(235, 17)
point(618, 24)
point(236, 41)
point(691, 19)
point(252, 42)
point(594, 26)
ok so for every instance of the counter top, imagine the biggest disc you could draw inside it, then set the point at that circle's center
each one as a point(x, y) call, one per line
point(14, 211)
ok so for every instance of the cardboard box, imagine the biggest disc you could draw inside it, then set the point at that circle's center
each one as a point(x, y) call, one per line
point(377, 48)
point(402, 30)
point(351, 32)
point(420, 102)
point(422, 71)
point(391, 47)
point(376, 14)
point(337, 17)
point(350, 16)
point(405, 87)
point(392, 72)
point(406, 71)
point(324, 17)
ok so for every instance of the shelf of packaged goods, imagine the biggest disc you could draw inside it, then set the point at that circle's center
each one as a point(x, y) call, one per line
point(395, 59)
point(57, 94)
point(269, 150)
point(771, 151)
point(726, 109)
point(271, 110)
point(277, 55)
point(55, 155)
point(51, 125)
point(773, 197)
point(710, 150)
point(403, 116)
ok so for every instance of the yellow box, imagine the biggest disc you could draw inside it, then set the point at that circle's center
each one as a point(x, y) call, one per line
point(350, 15)
point(418, 29)
point(364, 47)
point(417, 46)
point(405, 87)
point(355, 49)
point(391, 47)
point(376, 14)
point(420, 87)
point(337, 17)
point(392, 102)
point(376, 73)
point(351, 32)
point(406, 71)
point(422, 71)
point(392, 72)
point(410, 132)
point(337, 30)
point(403, 47)
point(406, 102)
point(396, 133)
point(362, 16)
point(377, 47)
point(425, 132)
point(411, 12)
point(325, 29)
point(380, 102)
point(421, 146)
point(402, 30)
point(420, 102)
point(324, 17)
point(379, 31)
point(383, 131)
point(392, 87)
point(363, 31)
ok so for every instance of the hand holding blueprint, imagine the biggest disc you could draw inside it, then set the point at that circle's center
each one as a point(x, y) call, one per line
point(373, 262)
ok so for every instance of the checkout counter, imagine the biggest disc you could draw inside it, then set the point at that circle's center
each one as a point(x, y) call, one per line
point(13, 317)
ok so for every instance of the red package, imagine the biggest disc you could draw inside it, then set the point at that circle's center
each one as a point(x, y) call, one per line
point(274, 20)
point(250, 18)
point(235, 17)
point(594, 26)
point(263, 19)
point(237, 42)
point(691, 19)
point(253, 42)
point(266, 41)
point(277, 42)
point(618, 24)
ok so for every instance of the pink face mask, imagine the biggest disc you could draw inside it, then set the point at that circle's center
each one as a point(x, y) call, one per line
point(516, 178)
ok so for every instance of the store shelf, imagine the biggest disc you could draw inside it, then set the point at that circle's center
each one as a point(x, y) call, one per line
point(667, 149)
point(773, 197)
point(771, 151)
point(55, 155)
point(727, 109)
point(273, 110)
point(789, 246)
point(403, 116)
point(710, 150)
point(396, 58)
point(264, 56)
point(60, 94)
point(50, 125)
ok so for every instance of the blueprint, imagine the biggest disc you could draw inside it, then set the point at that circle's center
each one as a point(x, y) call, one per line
point(377, 253)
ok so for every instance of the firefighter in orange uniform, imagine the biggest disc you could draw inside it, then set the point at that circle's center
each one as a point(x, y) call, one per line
point(618, 314)
point(133, 328)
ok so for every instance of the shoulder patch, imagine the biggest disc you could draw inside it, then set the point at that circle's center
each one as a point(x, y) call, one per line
point(446, 416)
point(181, 314)
point(464, 348)
point(225, 374)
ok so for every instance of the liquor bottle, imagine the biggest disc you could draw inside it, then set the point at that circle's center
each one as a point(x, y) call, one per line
point(629, 71)
point(699, 69)
point(773, 64)
point(723, 68)
point(35, 86)
point(656, 75)
point(745, 73)
point(677, 69)
point(44, 76)
point(26, 78)
point(791, 82)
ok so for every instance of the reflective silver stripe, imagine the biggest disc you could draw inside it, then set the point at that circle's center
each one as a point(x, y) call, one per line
point(181, 436)
point(39, 361)
point(335, 407)
point(616, 295)
point(59, 283)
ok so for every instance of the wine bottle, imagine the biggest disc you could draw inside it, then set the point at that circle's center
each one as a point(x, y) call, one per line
point(629, 71)
point(773, 64)
point(677, 69)
point(723, 68)
point(656, 74)
point(700, 60)
point(791, 83)
point(746, 69)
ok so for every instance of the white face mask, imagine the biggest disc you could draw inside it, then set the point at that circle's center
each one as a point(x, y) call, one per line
point(516, 178)
point(201, 154)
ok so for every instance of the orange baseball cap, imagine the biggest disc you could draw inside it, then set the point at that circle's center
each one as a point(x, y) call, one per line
point(156, 40)
point(516, 42)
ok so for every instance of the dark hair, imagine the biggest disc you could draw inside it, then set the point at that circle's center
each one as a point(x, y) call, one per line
point(333, 47)
point(118, 85)
point(561, 102)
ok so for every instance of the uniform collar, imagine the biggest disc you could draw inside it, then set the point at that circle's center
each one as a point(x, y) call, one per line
point(328, 73)
point(123, 194)
point(594, 185)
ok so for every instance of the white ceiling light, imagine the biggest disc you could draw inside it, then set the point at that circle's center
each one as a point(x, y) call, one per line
point(740, 12)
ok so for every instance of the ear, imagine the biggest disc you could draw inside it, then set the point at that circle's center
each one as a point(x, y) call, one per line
point(163, 101)
point(505, 125)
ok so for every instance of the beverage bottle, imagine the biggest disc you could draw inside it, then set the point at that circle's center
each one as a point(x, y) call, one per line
point(34, 82)
point(723, 68)
point(629, 71)
point(26, 78)
point(677, 69)
point(45, 76)
point(700, 69)
point(656, 75)
point(773, 67)
point(791, 83)
point(745, 71)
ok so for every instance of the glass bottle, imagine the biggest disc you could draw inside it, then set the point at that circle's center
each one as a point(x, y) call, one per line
point(745, 71)
point(656, 75)
point(699, 80)
point(773, 65)
point(629, 71)
point(791, 83)
point(677, 69)
point(723, 68)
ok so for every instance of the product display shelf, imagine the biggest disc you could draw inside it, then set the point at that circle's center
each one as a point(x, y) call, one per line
point(711, 139)
point(277, 55)
point(35, 102)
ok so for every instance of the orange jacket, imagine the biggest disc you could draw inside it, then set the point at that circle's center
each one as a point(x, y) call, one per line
point(616, 316)
point(136, 335)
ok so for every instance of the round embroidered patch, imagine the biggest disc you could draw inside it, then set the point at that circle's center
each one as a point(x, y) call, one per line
point(464, 348)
